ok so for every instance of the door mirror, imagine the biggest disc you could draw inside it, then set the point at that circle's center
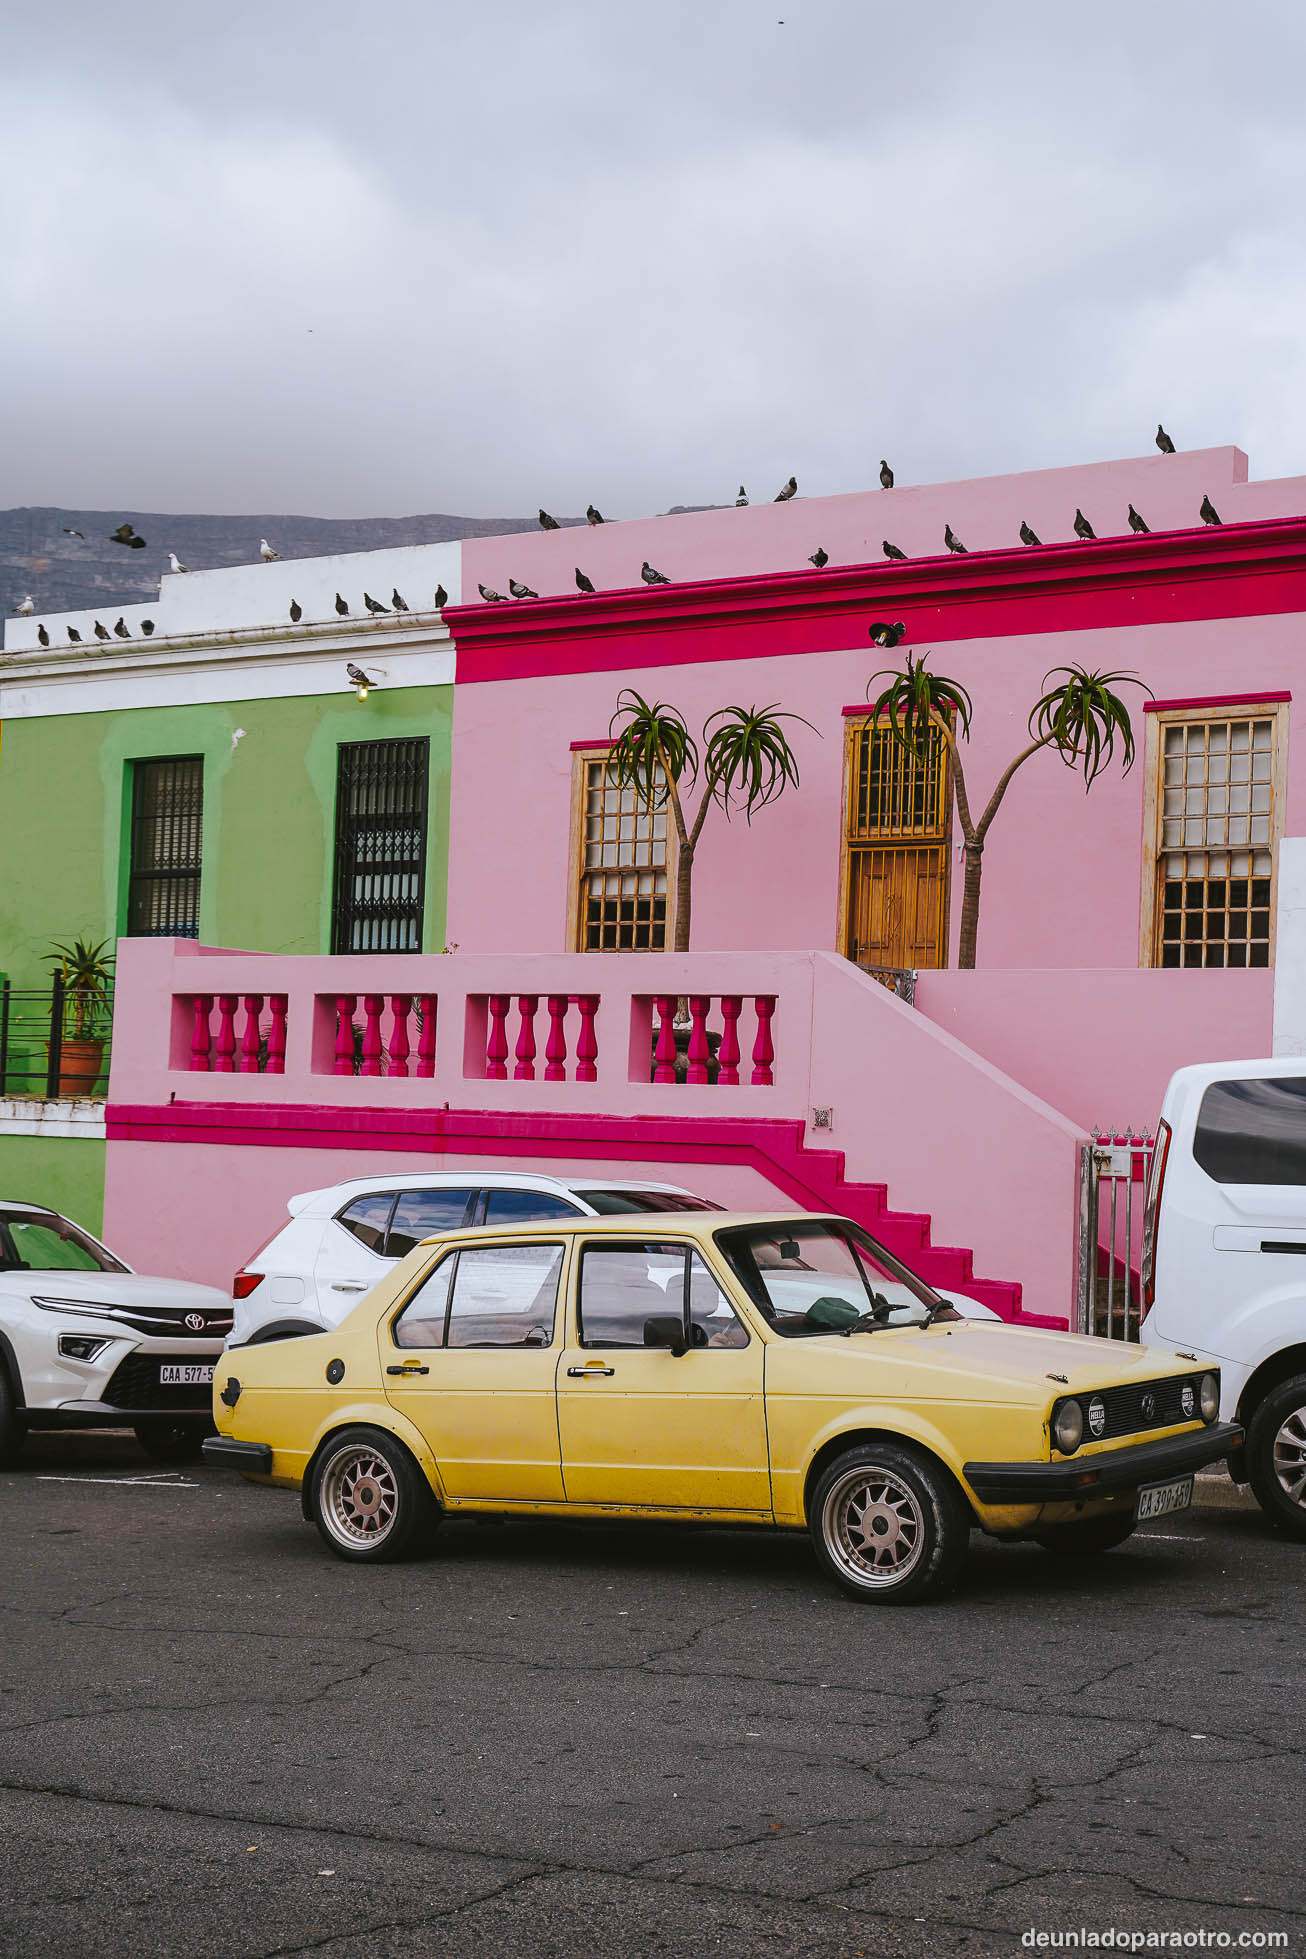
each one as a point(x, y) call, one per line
point(666, 1330)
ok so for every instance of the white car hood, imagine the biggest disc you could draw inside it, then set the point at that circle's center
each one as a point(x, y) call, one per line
point(115, 1289)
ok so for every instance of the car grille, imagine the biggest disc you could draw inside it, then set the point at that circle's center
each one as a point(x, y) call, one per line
point(135, 1384)
point(169, 1322)
point(1125, 1410)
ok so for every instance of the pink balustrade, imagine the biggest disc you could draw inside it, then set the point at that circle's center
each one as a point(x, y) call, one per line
point(688, 1048)
point(501, 1017)
point(260, 1044)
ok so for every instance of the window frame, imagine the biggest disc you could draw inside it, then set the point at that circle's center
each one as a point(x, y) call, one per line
point(141, 883)
point(689, 1250)
point(583, 755)
point(346, 913)
point(557, 1337)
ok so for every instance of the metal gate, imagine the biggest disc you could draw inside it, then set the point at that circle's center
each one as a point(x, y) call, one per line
point(1113, 1172)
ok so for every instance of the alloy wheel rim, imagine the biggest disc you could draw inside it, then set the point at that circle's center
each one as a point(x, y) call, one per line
point(1290, 1456)
point(360, 1497)
point(874, 1527)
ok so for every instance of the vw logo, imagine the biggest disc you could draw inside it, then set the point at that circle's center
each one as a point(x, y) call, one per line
point(1147, 1406)
point(195, 1321)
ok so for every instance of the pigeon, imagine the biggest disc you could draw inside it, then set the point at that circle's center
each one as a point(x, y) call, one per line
point(582, 583)
point(1027, 536)
point(521, 591)
point(175, 563)
point(121, 628)
point(891, 550)
point(1137, 523)
point(147, 627)
point(399, 604)
point(71, 533)
point(1208, 513)
point(952, 541)
point(819, 558)
point(358, 677)
point(125, 534)
point(1163, 442)
point(296, 611)
point(101, 632)
point(1082, 526)
point(374, 605)
point(341, 607)
point(74, 636)
point(548, 523)
point(885, 635)
point(652, 577)
point(43, 636)
point(593, 515)
point(441, 597)
point(886, 475)
point(265, 551)
point(489, 594)
point(741, 501)
point(790, 490)
point(26, 607)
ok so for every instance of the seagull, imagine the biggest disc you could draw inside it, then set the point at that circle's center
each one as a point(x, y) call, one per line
point(790, 490)
point(374, 605)
point(489, 594)
point(819, 558)
point(265, 551)
point(1137, 523)
point(652, 577)
point(521, 591)
point(951, 539)
point(341, 607)
point(1082, 526)
point(74, 636)
point(147, 627)
point(43, 636)
point(1208, 513)
point(1163, 442)
point(441, 597)
point(26, 607)
point(125, 534)
point(400, 605)
point(101, 632)
point(582, 583)
point(296, 611)
point(741, 501)
point(175, 563)
point(71, 533)
point(886, 475)
point(885, 635)
point(548, 523)
point(1027, 536)
point(121, 628)
point(891, 550)
point(593, 515)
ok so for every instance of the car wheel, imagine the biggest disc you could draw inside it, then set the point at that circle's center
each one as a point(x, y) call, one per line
point(369, 1499)
point(174, 1441)
point(1087, 1537)
point(1276, 1456)
point(13, 1429)
point(889, 1525)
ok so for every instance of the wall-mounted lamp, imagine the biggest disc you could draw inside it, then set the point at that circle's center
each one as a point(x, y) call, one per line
point(360, 680)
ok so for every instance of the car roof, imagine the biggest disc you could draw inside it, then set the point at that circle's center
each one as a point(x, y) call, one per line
point(21, 1204)
point(331, 1195)
point(646, 1226)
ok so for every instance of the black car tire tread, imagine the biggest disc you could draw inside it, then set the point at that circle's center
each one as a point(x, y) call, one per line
point(1266, 1421)
point(13, 1429)
point(417, 1515)
point(946, 1516)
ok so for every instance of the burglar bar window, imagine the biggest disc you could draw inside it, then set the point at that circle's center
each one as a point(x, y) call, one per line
point(380, 873)
point(623, 874)
point(1218, 825)
point(163, 893)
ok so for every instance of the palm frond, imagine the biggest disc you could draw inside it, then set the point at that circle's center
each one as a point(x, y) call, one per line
point(654, 738)
point(915, 700)
point(1083, 717)
point(747, 757)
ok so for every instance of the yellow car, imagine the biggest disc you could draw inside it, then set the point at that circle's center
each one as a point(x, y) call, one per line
point(712, 1367)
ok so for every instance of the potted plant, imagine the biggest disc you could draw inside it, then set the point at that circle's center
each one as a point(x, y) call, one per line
point(87, 973)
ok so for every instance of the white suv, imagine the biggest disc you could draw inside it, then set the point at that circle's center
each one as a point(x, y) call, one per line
point(340, 1241)
point(85, 1342)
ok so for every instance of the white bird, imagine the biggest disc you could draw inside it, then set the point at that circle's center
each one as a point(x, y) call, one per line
point(175, 563)
point(27, 608)
point(265, 551)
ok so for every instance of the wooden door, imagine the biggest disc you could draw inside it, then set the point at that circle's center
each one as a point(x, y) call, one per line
point(897, 839)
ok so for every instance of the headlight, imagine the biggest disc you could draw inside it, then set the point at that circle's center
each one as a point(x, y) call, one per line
point(81, 1346)
point(85, 1309)
point(1209, 1390)
point(1068, 1429)
point(1188, 1400)
point(1097, 1417)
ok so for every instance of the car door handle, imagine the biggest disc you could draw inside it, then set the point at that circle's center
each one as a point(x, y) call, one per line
point(348, 1285)
point(584, 1373)
point(409, 1367)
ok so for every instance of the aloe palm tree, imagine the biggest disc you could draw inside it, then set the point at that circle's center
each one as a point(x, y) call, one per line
point(745, 762)
point(86, 971)
point(1081, 717)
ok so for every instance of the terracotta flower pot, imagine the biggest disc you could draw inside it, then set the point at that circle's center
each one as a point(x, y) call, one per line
point(80, 1063)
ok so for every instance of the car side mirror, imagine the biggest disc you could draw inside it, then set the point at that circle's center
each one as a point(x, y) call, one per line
point(666, 1330)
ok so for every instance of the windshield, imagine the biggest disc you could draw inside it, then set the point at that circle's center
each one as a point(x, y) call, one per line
point(42, 1241)
point(608, 1203)
point(818, 1275)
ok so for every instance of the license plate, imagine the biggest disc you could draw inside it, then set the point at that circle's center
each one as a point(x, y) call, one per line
point(1159, 1499)
point(186, 1377)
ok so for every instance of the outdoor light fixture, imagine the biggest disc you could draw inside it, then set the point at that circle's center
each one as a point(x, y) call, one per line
point(362, 680)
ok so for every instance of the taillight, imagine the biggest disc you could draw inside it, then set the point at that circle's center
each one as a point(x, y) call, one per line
point(1151, 1211)
point(244, 1283)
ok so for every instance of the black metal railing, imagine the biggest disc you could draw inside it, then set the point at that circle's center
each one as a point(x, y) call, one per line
point(898, 979)
point(54, 1041)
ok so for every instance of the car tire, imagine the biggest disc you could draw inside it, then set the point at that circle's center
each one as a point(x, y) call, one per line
point(174, 1441)
point(1087, 1537)
point(369, 1499)
point(1276, 1456)
point(13, 1429)
point(889, 1525)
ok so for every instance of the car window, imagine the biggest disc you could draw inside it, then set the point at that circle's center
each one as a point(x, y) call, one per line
point(713, 1320)
point(421, 1324)
point(368, 1217)
point(611, 1203)
point(623, 1286)
point(1253, 1132)
point(421, 1214)
point(524, 1206)
point(505, 1296)
point(811, 1277)
point(49, 1244)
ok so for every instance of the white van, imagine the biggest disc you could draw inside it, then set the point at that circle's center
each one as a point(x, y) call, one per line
point(1224, 1258)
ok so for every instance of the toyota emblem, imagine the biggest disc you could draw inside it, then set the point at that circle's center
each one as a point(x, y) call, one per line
point(1148, 1407)
point(195, 1321)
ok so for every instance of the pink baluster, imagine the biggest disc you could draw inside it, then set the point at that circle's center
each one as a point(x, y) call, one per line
point(249, 1040)
point(699, 1051)
point(555, 1048)
point(372, 1005)
point(763, 1050)
point(496, 1048)
point(528, 1004)
point(587, 1047)
point(224, 1062)
point(426, 1039)
point(665, 1052)
point(201, 1039)
point(728, 1054)
point(344, 1061)
point(277, 1034)
point(401, 1005)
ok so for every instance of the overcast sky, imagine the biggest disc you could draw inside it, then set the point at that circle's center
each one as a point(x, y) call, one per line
point(346, 260)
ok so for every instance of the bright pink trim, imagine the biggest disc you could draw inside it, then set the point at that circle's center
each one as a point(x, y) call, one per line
point(1217, 700)
point(1233, 572)
point(607, 741)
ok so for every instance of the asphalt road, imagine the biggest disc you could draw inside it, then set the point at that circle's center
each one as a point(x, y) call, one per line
point(216, 1739)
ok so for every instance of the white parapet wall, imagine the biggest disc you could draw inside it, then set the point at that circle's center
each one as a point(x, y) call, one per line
point(1290, 950)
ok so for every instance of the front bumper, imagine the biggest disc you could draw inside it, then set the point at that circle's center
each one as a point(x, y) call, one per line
point(1080, 1480)
point(252, 1458)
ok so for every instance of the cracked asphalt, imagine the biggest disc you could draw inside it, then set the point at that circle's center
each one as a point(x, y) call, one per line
point(217, 1740)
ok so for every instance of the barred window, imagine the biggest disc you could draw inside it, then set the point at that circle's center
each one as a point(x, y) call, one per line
point(380, 873)
point(623, 866)
point(1218, 828)
point(163, 891)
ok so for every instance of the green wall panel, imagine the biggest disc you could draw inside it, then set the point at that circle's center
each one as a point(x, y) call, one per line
point(65, 1172)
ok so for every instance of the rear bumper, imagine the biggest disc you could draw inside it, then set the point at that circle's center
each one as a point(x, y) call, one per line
point(253, 1458)
point(103, 1414)
point(1079, 1480)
